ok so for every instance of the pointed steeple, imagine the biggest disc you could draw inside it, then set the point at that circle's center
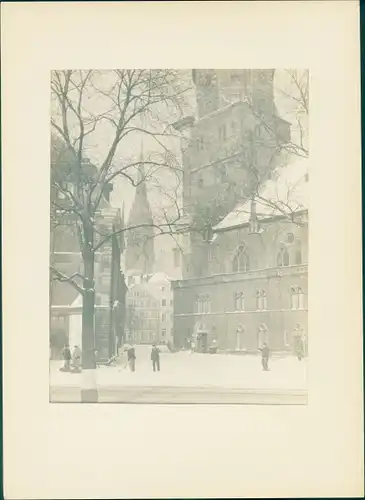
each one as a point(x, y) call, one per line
point(141, 171)
point(140, 246)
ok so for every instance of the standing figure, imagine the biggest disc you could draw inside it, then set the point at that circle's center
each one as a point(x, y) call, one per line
point(265, 352)
point(298, 342)
point(155, 358)
point(67, 358)
point(132, 358)
point(76, 359)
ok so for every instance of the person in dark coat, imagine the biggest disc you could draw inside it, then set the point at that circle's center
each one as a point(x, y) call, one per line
point(67, 358)
point(155, 358)
point(265, 353)
point(131, 353)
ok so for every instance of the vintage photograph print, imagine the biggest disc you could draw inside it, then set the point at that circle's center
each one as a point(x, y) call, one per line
point(179, 236)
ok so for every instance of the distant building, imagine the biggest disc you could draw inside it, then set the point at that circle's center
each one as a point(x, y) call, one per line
point(150, 310)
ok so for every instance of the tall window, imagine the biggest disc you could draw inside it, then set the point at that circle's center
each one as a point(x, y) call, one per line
point(298, 257)
point(239, 301)
point(262, 335)
point(241, 262)
point(240, 332)
point(202, 304)
point(200, 182)
point(163, 302)
point(261, 300)
point(296, 298)
point(283, 258)
point(163, 317)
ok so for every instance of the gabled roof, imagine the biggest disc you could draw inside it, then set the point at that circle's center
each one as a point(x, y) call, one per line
point(286, 194)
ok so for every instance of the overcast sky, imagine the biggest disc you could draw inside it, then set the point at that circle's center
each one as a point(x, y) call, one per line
point(98, 142)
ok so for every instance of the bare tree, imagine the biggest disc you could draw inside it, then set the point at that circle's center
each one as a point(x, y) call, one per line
point(109, 108)
point(254, 153)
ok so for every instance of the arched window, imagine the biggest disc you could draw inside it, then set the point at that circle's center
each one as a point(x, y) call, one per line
point(264, 299)
point(298, 257)
point(262, 335)
point(261, 300)
point(293, 298)
point(280, 259)
point(297, 298)
point(202, 304)
point(285, 257)
point(241, 261)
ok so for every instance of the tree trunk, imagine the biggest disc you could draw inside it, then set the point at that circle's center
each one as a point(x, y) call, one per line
point(89, 392)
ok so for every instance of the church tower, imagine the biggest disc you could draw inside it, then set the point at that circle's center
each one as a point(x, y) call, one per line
point(218, 88)
point(139, 257)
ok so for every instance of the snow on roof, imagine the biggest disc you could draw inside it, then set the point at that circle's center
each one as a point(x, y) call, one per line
point(159, 278)
point(285, 194)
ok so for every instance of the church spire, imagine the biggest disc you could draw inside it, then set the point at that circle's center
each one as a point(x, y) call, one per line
point(141, 171)
point(140, 246)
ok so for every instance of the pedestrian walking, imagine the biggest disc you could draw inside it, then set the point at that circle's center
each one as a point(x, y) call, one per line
point(131, 353)
point(76, 359)
point(265, 353)
point(67, 358)
point(155, 358)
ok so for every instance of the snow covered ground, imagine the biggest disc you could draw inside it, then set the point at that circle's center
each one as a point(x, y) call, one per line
point(183, 369)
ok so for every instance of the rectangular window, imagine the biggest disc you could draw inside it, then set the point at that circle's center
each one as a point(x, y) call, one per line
point(163, 317)
point(163, 302)
point(163, 333)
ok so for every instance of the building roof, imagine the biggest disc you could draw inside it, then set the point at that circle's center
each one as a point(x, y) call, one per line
point(159, 277)
point(287, 193)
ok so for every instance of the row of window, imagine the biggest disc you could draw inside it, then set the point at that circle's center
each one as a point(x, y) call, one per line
point(241, 259)
point(147, 314)
point(147, 336)
point(203, 303)
point(144, 303)
point(224, 133)
point(145, 323)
